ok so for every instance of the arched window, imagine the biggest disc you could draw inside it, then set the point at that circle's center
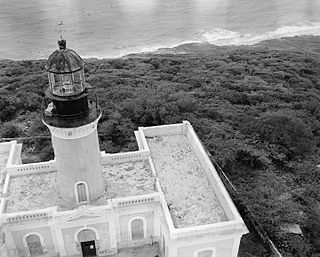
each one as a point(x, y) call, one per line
point(81, 190)
point(137, 228)
point(34, 244)
point(208, 252)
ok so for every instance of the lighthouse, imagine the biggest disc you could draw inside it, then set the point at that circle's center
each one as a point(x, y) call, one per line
point(72, 114)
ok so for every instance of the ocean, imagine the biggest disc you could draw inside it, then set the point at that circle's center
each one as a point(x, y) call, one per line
point(111, 28)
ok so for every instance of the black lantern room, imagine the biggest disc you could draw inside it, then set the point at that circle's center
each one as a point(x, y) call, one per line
point(68, 90)
point(66, 71)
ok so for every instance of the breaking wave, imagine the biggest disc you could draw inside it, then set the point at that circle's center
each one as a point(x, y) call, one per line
point(226, 37)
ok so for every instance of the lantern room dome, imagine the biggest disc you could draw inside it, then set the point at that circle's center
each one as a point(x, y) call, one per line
point(64, 60)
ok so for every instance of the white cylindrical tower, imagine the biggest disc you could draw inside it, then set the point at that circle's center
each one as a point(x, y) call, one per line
point(72, 118)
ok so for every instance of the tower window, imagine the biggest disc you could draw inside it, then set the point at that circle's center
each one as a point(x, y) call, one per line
point(82, 192)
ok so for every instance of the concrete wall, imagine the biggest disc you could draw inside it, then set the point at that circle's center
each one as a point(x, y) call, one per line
point(164, 130)
point(222, 248)
point(17, 236)
point(31, 168)
point(107, 158)
point(124, 220)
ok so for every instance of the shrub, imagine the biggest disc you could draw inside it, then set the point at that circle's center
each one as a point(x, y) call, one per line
point(291, 133)
point(117, 63)
point(155, 63)
point(7, 110)
point(10, 130)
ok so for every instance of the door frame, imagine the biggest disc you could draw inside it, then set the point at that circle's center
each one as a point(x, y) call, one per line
point(92, 242)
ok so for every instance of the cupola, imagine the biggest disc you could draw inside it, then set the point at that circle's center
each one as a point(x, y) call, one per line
point(70, 101)
point(65, 71)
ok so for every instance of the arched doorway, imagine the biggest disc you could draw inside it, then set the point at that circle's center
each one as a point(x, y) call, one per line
point(137, 229)
point(34, 245)
point(87, 239)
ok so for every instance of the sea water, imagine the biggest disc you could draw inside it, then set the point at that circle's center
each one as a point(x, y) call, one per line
point(29, 29)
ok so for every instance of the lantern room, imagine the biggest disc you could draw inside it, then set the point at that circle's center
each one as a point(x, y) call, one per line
point(65, 71)
point(69, 100)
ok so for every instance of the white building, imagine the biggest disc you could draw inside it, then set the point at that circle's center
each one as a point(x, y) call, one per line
point(166, 198)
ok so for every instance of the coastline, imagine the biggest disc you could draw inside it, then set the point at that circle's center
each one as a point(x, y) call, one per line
point(303, 43)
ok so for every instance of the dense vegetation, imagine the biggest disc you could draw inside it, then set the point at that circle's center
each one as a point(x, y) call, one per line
point(256, 109)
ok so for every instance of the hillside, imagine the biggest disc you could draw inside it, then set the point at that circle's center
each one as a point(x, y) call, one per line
point(256, 109)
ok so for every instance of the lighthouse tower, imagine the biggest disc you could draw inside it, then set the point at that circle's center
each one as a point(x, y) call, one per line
point(72, 115)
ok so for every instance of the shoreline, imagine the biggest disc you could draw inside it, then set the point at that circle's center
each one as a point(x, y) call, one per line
point(305, 43)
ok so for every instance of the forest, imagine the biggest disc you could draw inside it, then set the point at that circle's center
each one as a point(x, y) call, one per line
point(255, 108)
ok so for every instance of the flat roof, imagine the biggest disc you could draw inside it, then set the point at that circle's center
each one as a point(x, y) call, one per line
point(37, 191)
point(189, 195)
point(127, 179)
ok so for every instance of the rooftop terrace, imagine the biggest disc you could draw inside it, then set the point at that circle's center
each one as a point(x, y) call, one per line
point(189, 195)
point(37, 191)
point(127, 179)
point(31, 192)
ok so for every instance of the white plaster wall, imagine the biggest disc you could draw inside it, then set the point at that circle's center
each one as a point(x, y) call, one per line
point(104, 231)
point(164, 130)
point(31, 168)
point(68, 238)
point(223, 248)
point(78, 160)
point(164, 239)
point(124, 220)
point(124, 157)
point(44, 231)
point(16, 159)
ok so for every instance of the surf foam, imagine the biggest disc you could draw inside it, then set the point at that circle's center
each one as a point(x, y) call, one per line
point(227, 37)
